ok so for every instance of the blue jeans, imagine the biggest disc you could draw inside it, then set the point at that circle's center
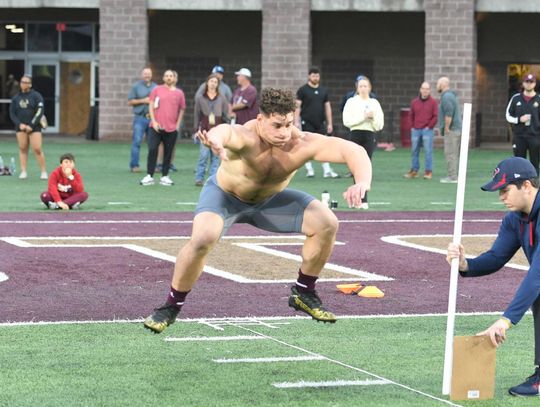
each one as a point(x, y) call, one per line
point(140, 128)
point(206, 154)
point(419, 138)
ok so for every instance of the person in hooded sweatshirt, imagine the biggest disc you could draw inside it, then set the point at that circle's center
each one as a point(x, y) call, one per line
point(516, 181)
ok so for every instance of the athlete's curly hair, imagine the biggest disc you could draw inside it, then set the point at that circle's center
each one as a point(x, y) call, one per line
point(279, 101)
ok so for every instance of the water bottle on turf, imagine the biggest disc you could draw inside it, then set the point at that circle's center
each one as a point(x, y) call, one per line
point(12, 166)
point(325, 198)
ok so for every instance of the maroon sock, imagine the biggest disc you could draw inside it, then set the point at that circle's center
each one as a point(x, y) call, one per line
point(305, 283)
point(177, 298)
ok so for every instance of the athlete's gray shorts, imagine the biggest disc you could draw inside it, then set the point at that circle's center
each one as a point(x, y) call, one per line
point(282, 212)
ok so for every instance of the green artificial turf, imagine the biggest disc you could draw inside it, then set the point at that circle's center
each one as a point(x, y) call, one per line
point(112, 187)
point(124, 365)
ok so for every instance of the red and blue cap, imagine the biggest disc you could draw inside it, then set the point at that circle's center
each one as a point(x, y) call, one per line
point(510, 170)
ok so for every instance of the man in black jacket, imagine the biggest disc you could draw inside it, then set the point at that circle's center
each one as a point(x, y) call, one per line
point(523, 111)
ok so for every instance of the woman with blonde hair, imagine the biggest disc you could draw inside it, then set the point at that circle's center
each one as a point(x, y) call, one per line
point(364, 117)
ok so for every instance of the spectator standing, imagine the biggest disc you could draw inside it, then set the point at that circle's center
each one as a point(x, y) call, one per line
point(167, 107)
point(26, 111)
point(449, 122)
point(211, 109)
point(423, 120)
point(139, 100)
point(66, 188)
point(523, 112)
point(364, 117)
point(515, 179)
point(244, 100)
point(224, 89)
point(313, 113)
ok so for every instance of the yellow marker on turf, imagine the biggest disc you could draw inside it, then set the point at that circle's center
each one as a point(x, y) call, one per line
point(349, 288)
point(371, 291)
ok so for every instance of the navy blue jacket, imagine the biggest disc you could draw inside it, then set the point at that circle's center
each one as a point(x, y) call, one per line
point(517, 230)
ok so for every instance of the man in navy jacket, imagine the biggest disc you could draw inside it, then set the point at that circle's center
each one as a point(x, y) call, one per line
point(516, 180)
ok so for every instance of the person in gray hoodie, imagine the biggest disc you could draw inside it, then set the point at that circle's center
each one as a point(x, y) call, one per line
point(450, 127)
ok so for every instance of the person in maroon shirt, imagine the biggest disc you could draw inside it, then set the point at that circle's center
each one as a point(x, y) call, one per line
point(244, 100)
point(424, 112)
point(66, 188)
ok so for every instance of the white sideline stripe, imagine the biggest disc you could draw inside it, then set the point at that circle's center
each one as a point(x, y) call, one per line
point(398, 240)
point(357, 369)
point(258, 237)
point(270, 360)
point(239, 320)
point(65, 222)
point(3, 277)
point(215, 338)
point(441, 203)
point(335, 383)
point(118, 203)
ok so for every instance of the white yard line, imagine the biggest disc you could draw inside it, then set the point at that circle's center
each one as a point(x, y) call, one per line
point(335, 383)
point(271, 360)
point(240, 320)
point(215, 338)
point(105, 221)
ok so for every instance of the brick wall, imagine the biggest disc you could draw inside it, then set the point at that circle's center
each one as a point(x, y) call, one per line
point(492, 85)
point(450, 47)
point(123, 40)
point(286, 49)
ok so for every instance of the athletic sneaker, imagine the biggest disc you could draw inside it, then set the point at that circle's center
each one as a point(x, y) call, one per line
point(311, 304)
point(428, 174)
point(364, 205)
point(148, 180)
point(76, 205)
point(310, 173)
point(411, 174)
point(23, 175)
point(449, 180)
point(166, 181)
point(52, 205)
point(529, 388)
point(44, 175)
point(331, 174)
point(161, 318)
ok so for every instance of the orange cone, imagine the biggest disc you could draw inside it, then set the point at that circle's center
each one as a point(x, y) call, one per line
point(349, 288)
point(371, 291)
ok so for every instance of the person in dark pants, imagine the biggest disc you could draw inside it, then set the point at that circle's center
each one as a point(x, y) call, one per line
point(517, 182)
point(523, 112)
point(364, 117)
point(167, 107)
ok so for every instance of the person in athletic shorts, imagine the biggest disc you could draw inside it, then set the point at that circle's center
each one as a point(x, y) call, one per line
point(258, 161)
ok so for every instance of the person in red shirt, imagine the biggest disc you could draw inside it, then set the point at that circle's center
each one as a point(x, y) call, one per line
point(424, 113)
point(66, 188)
point(167, 107)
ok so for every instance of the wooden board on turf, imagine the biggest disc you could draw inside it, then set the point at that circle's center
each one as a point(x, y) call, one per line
point(473, 369)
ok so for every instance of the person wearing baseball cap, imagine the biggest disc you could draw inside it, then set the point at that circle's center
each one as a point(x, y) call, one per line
point(523, 112)
point(515, 179)
point(224, 89)
point(244, 100)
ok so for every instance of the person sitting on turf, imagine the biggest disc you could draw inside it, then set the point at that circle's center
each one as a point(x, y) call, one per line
point(66, 189)
point(258, 161)
point(517, 183)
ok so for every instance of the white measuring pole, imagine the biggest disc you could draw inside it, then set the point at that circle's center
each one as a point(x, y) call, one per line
point(454, 270)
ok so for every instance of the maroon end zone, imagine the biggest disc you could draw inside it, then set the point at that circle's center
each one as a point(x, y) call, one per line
point(49, 284)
